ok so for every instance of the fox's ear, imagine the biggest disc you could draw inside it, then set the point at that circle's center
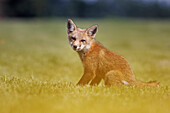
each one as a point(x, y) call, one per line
point(92, 31)
point(70, 26)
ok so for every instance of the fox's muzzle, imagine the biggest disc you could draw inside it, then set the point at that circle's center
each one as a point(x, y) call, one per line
point(75, 47)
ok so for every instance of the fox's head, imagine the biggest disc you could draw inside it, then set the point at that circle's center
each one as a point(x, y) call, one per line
point(80, 39)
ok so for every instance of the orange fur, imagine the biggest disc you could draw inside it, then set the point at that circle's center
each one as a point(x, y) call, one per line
point(100, 63)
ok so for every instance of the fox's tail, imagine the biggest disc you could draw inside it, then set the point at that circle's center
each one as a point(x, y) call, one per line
point(146, 84)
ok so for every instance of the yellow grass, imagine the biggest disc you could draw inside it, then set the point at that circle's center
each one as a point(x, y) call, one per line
point(39, 70)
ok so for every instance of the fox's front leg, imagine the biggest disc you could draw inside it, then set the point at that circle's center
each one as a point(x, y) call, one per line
point(86, 78)
point(96, 80)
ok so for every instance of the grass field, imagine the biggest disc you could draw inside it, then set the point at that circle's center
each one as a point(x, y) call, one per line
point(39, 70)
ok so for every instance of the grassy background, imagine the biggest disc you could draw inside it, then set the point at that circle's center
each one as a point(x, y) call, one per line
point(39, 70)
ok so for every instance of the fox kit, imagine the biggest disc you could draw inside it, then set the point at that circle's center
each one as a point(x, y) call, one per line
point(98, 62)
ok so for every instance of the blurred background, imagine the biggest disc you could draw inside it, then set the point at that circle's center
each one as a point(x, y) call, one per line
point(33, 37)
point(85, 8)
point(30, 29)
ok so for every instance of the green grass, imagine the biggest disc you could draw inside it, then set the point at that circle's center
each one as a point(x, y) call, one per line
point(39, 70)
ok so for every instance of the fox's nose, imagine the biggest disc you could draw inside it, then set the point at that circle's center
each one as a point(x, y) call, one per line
point(74, 46)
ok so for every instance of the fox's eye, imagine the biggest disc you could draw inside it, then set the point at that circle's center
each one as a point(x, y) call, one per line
point(73, 38)
point(83, 40)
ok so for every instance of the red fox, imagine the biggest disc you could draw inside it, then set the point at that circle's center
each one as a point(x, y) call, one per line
point(98, 62)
